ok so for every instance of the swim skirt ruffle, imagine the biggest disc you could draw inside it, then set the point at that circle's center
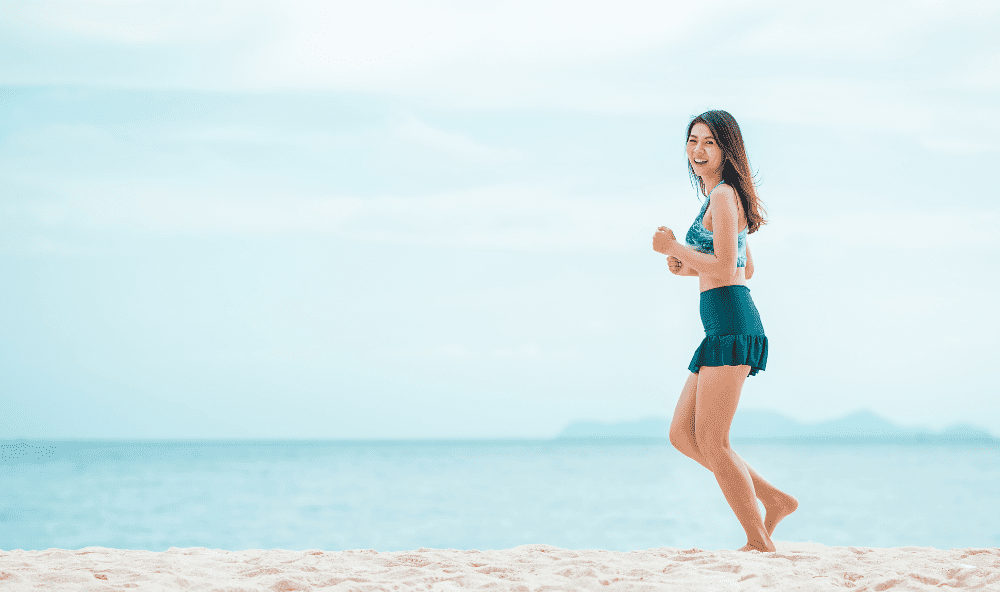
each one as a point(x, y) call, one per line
point(734, 335)
point(731, 350)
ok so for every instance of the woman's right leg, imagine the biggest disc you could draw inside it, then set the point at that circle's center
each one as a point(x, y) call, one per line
point(777, 503)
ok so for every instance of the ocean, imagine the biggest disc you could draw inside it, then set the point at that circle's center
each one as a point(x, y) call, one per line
point(390, 496)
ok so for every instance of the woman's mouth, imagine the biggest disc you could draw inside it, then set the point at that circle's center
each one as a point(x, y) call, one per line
point(696, 161)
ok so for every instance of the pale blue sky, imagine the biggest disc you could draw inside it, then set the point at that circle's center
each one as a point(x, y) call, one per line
point(423, 220)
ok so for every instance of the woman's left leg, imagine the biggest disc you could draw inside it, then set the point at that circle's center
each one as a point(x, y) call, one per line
point(719, 390)
point(777, 503)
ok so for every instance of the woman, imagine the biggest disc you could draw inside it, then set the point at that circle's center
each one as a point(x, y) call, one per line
point(735, 345)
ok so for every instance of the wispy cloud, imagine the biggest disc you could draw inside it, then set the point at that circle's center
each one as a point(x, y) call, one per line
point(150, 22)
point(519, 217)
point(456, 352)
point(547, 217)
point(453, 144)
point(903, 67)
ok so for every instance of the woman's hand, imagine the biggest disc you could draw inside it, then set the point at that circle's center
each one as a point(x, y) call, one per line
point(676, 265)
point(663, 240)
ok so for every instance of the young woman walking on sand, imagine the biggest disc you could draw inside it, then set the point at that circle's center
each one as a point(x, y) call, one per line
point(735, 345)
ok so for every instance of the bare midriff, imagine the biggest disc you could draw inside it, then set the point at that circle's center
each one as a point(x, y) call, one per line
point(708, 282)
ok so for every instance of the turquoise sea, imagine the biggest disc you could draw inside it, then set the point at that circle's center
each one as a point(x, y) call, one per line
point(596, 494)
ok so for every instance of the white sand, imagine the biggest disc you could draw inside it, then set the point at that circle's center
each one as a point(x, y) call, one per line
point(795, 566)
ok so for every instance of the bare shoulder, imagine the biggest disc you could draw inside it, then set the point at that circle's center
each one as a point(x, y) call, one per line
point(723, 193)
point(724, 197)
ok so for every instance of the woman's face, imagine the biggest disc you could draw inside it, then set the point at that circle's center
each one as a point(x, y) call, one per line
point(703, 151)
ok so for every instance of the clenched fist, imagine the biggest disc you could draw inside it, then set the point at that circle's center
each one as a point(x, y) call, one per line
point(663, 239)
point(676, 265)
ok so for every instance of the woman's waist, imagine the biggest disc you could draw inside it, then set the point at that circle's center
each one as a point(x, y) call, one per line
point(729, 310)
point(707, 282)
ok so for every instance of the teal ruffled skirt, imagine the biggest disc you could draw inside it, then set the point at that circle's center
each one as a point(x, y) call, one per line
point(734, 335)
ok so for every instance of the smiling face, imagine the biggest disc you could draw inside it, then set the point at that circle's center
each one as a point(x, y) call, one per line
point(703, 151)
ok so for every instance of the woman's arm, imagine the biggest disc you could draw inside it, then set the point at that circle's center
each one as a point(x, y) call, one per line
point(749, 268)
point(725, 215)
point(677, 267)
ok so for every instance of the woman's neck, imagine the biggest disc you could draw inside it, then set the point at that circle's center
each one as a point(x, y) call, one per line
point(710, 181)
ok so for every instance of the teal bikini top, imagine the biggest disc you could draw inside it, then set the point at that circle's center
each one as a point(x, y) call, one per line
point(700, 238)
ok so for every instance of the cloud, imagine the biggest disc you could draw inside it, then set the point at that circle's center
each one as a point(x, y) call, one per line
point(48, 245)
point(519, 217)
point(250, 135)
point(549, 217)
point(138, 207)
point(454, 352)
point(45, 137)
point(903, 67)
point(863, 220)
point(143, 23)
point(452, 144)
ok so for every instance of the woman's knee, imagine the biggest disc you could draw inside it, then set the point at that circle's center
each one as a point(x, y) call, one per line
point(682, 432)
point(712, 442)
point(715, 454)
point(683, 422)
point(680, 438)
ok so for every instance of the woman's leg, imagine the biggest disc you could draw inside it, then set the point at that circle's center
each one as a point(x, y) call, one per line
point(777, 503)
point(718, 395)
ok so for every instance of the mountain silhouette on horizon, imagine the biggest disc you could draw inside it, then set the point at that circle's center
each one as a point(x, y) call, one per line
point(761, 423)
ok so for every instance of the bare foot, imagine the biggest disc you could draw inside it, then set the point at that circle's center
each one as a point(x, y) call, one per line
point(776, 508)
point(763, 547)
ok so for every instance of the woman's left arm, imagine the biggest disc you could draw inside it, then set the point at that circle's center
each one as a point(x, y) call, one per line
point(749, 268)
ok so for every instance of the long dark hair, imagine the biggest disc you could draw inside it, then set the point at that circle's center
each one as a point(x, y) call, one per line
point(735, 166)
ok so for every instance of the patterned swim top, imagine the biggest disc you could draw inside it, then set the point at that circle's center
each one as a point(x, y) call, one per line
point(701, 239)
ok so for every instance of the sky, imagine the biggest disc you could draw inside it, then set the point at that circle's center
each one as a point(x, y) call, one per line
point(391, 220)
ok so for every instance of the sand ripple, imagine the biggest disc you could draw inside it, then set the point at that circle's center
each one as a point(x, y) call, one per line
point(534, 568)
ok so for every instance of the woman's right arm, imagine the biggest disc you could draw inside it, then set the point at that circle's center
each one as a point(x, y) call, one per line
point(749, 267)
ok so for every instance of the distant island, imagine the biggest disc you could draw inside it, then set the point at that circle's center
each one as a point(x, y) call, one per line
point(755, 424)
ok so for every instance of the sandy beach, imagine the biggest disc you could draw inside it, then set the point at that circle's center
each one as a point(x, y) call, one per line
point(795, 566)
